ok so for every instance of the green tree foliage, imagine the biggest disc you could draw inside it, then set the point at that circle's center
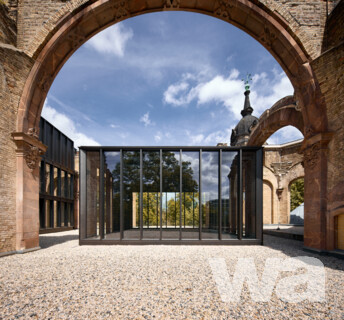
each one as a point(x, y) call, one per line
point(296, 193)
point(151, 188)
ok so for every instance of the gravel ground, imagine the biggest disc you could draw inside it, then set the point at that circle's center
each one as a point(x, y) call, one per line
point(68, 281)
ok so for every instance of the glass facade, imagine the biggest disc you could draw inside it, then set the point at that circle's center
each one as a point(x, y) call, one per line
point(56, 196)
point(170, 195)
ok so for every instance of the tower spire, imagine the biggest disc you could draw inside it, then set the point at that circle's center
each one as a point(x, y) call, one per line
point(247, 105)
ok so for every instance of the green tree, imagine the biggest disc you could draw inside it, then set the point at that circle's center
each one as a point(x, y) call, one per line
point(296, 193)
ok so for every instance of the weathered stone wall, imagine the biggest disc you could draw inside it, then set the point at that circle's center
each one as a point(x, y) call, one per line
point(334, 31)
point(330, 71)
point(36, 19)
point(14, 68)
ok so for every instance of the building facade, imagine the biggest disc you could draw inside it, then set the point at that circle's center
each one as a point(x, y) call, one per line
point(58, 181)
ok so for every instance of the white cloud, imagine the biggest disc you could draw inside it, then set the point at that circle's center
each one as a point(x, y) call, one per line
point(114, 126)
point(228, 91)
point(112, 40)
point(145, 120)
point(158, 137)
point(67, 126)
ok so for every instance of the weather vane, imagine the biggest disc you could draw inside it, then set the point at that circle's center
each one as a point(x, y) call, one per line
point(247, 81)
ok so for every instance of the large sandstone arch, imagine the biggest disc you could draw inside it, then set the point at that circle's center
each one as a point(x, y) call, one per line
point(78, 20)
point(69, 29)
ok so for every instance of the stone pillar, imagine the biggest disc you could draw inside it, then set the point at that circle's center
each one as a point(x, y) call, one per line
point(315, 215)
point(280, 170)
point(28, 156)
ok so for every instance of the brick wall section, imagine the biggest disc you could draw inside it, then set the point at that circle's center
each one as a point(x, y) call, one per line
point(8, 29)
point(14, 68)
point(334, 32)
point(329, 69)
point(32, 15)
point(37, 19)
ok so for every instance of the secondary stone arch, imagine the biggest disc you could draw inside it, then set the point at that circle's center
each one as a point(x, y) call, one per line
point(69, 30)
point(283, 113)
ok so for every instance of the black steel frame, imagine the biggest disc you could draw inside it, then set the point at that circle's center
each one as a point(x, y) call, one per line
point(141, 241)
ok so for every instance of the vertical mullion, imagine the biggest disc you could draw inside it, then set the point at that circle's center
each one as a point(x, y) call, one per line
point(200, 194)
point(160, 237)
point(121, 197)
point(220, 195)
point(141, 196)
point(83, 195)
point(180, 193)
point(240, 198)
point(101, 194)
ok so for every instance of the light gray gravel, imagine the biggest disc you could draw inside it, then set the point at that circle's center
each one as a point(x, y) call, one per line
point(66, 281)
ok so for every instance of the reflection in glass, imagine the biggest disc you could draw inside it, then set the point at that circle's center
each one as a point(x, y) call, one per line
point(170, 195)
point(63, 183)
point(131, 194)
point(190, 195)
point(229, 186)
point(210, 194)
point(92, 180)
point(151, 194)
point(112, 194)
point(249, 194)
point(47, 178)
point(48, 214)
point(41, 177)
point(56, 182)
point(62, 214)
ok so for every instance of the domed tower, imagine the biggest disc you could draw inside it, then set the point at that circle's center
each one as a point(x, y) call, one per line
point(241, 132)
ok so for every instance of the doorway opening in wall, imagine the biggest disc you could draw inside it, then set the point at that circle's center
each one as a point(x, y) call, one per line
point(283, 188)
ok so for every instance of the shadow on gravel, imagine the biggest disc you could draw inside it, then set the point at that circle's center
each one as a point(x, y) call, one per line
point(294, 248)
point(49, 241)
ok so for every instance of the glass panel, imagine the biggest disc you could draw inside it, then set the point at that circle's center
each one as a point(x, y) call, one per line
point(112, 195)
point(249, 194)
point(62, 208)
point(190, 195)
point(47, 178)
point(41, 177)
point(92, 205)
point(210, 194)
point(42, 213)
point(56, 181)
point(151, 195)
point(55, 214)
point(63, 184)
point(69, 206)
point(48, 214)
point(68, 183)
point(229, 194)
point(170, 195)
point(131, 194)
point(65, 217)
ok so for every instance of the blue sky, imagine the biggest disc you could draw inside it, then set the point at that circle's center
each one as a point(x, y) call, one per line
point(169, 78)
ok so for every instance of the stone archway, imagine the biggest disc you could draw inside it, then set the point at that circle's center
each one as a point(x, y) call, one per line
point(283, 113)
point(80, 20)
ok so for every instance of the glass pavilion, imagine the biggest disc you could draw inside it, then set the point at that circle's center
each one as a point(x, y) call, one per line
point(170, 195)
